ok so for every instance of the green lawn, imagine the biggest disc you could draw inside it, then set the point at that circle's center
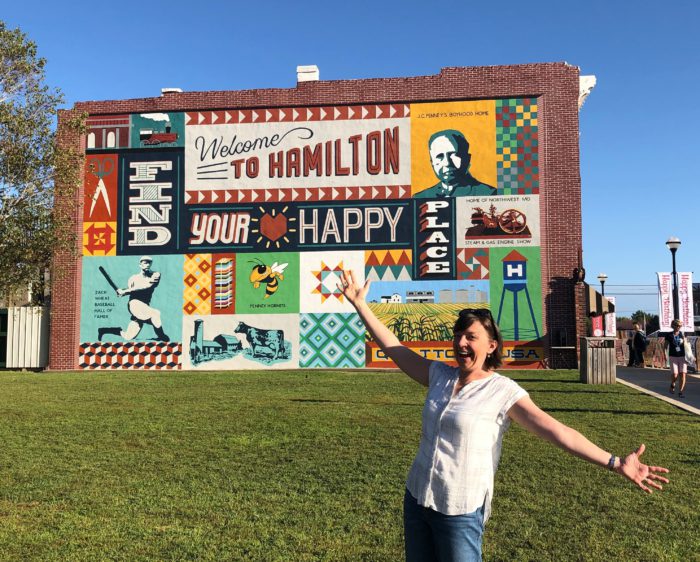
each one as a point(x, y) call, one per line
point(310, 466)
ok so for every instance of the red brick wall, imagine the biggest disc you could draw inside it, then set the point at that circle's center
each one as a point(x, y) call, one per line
point(66, 274)
point(555, 84)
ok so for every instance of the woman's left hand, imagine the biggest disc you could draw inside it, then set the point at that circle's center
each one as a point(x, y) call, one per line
point(641, 474)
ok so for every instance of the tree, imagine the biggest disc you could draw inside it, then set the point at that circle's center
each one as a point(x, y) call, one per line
point(33, 170)
point(649, 322)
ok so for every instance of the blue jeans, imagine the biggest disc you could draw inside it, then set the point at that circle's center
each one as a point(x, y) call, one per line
point(431, 536)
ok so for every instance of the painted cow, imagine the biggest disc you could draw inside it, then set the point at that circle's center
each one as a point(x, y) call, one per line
point(257, 338)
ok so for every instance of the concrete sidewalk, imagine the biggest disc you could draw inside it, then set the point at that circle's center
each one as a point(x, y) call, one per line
point(656, 382)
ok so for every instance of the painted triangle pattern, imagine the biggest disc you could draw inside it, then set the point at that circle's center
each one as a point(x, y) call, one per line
point(388, 273)
point(331, 341)
point(274, 195)
point(130, 355)
point(291, 115)
point(388, 265)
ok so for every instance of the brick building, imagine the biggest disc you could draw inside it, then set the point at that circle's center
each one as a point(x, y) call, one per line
point(248, 204)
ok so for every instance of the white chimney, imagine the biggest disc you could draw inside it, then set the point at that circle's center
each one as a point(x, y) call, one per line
point(307, 73)
point(164, 91)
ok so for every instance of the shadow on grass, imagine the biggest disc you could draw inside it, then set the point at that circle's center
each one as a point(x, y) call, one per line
point(549, 380)
point(691, 459)
point(573, 391)
point(619, 412)
point(323, 401)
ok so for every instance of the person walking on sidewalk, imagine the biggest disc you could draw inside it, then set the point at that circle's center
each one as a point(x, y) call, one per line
point(675, 343)
point(639, 345)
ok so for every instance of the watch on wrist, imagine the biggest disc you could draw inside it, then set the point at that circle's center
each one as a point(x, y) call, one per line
point(611, 462)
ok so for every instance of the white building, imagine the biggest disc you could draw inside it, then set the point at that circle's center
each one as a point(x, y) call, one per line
point(420, 296)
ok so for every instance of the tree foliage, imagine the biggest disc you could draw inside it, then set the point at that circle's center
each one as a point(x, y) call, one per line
point(32, 168)
point(646, 320)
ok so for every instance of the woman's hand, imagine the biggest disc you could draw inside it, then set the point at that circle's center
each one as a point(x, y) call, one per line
point(641, 474)
point(351, 289)
point(410, 362)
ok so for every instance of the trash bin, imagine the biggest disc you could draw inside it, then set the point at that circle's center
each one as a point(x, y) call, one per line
point(597, 364)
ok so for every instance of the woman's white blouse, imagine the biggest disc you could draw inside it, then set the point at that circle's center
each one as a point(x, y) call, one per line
point(461, 440)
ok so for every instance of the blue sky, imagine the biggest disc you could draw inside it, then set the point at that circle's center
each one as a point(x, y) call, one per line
point(638, 143)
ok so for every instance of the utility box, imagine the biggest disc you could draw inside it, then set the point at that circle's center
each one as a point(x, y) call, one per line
point(597, 365)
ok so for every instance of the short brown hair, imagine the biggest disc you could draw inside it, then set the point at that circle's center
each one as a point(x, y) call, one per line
point(483, 315)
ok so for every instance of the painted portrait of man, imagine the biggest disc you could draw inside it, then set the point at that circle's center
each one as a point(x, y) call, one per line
point(450, 159)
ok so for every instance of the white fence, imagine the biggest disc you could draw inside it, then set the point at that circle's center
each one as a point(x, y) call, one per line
point(27, 337)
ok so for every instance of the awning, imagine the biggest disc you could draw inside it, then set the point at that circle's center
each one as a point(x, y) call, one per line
point(596, 303)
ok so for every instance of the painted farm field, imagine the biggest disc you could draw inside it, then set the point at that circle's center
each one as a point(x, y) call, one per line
point(421, 321)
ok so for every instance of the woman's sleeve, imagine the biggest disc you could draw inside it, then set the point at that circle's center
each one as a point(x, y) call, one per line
point(434, 372)
point(514, 393)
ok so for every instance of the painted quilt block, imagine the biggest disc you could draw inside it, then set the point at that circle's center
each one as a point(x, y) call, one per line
point(333, 340)
point(197, 279)
point(517, 146)
point(320, 276)
point(473, 263)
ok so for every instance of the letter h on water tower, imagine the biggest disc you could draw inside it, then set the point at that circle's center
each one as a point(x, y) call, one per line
point(514, 281)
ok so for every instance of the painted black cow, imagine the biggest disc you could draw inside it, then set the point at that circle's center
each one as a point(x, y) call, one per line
point(257, 338)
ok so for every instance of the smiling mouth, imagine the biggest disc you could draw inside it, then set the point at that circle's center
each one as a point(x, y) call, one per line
point(466, 354)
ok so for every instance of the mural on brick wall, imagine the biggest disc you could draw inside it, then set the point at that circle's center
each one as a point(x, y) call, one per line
point(214, 239)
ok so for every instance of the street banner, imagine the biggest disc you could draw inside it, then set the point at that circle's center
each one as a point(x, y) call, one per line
point(611, 320)
point(665, 301)
point(597, 326)
point(685, 300)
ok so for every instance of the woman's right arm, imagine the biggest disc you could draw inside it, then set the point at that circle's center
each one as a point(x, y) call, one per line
point(414, 365)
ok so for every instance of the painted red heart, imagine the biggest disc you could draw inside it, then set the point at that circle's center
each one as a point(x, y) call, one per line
point(273, 228)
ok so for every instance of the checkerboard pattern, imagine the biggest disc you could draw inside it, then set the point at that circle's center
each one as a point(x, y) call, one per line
point(331, 341)
point(517, 147)
point(130, 355)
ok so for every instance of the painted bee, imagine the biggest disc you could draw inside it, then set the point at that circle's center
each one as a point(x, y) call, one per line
point(270, 276)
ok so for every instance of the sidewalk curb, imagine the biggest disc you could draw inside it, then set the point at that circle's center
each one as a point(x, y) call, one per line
point(671, 401)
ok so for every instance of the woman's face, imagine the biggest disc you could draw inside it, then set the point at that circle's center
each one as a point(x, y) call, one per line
point(471, 346)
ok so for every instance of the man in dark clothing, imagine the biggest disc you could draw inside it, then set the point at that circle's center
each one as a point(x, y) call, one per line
point(632, 357)
point(639, 345)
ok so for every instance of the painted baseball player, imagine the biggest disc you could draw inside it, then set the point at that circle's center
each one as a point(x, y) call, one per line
point(140, 289)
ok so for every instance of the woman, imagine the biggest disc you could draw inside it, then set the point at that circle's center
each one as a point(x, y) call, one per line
point(467, 410)
point(675, 343)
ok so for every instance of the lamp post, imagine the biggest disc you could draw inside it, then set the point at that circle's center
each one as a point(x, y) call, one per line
point(602, 278)
point(673, 244)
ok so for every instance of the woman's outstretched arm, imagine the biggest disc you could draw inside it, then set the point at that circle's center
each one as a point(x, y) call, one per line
point(414, 365)
point(527, 414)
